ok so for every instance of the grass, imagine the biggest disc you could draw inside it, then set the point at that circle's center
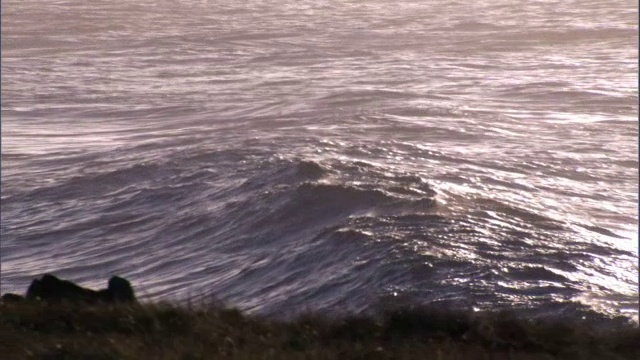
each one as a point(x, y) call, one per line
point(162, 331)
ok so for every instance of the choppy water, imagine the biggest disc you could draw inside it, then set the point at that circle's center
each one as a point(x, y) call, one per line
point(294, 155)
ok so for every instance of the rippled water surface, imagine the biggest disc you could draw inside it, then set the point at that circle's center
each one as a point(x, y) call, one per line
point(294, 155)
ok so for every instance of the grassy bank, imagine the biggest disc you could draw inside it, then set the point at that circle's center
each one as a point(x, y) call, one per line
point(153, 331)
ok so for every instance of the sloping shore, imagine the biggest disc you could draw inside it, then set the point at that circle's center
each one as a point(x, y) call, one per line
point(35, 330)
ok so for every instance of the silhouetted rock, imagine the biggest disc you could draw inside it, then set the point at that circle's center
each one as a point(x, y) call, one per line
point(120, 290)
point(12, 298)
point(53, 290)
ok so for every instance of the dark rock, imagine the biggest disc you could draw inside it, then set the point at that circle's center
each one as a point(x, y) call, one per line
point(53, 290)
point(12, 298)
point(121, 290)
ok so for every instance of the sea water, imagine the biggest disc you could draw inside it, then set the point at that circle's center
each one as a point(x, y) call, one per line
point(286, 156)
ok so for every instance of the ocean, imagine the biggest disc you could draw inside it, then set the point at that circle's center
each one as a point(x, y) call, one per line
point(322, 155)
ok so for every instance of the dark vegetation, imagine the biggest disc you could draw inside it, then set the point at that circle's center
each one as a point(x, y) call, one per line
point(58, 319)
point(70, 330)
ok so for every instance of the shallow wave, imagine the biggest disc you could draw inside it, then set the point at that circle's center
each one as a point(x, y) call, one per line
point(320, 233)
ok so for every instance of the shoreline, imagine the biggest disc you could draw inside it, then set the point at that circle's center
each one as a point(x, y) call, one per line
point(164, 331)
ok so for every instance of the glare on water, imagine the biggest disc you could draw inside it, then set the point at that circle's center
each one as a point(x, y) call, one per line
point(325, 153)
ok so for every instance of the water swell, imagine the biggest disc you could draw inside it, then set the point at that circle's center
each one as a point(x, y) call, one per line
point(336, 153)
point(361, 228)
